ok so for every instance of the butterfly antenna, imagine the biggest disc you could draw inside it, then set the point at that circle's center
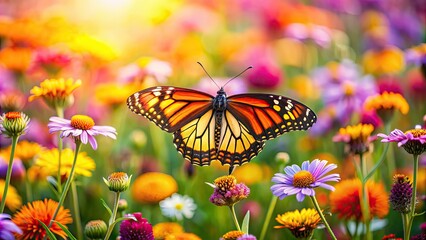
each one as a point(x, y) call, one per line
point(249, 67)
point(208, 74)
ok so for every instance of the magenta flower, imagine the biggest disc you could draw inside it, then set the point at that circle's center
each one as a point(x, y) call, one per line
point(227, 192)
point(7, 227)
point(81, 128)
point(136, 230)
point(302, 181)
point(413, 141)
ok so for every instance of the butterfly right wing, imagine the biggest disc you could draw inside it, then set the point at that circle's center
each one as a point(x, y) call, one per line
point(170, 108)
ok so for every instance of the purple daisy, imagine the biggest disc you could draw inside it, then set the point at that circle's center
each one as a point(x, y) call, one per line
point(413, 141)
point(7, 227)
point(301, 181)
point(82, 128)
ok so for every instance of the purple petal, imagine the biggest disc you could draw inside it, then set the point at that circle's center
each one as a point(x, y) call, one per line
point(300, 197)
point(59, 120)
point(327, 186)
point(93, 142)
point(84, 137)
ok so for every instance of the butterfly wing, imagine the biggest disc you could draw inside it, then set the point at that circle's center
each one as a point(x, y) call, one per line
point(267, 116)
point(170, 108)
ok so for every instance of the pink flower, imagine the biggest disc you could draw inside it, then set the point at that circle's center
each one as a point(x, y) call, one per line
point(82, 128)
point(413, 141)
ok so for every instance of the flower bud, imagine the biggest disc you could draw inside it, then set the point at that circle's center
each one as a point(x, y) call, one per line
point(14, 123)
point(118, 181)
point(95, 229)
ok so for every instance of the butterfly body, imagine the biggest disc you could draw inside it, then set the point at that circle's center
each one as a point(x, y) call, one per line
point(231, 130)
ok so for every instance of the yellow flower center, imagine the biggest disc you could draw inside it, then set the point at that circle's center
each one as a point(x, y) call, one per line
point(13, 115)
point(232, 235)
point(225, 183)
point(303, 179)
point(179, 206)
point(82, 122)
point(348, 89)
point(417, 132)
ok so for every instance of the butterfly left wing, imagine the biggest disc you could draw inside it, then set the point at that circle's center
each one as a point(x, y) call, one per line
point(170, 108)
point(267, 116)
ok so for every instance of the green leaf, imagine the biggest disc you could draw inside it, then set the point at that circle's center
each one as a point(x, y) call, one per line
point(69, 234)
point(246, 221)
point(48, 232)
point(106, 207)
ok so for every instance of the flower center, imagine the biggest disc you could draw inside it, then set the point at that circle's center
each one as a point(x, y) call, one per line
point(82, 122)
point(303, 179)
point(117, 176)
point(179, 206)
point(225, 183)
point(348, 89)
point(417, 132)
point(13, 115)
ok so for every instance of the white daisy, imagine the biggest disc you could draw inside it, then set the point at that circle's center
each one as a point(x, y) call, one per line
point(178, 206)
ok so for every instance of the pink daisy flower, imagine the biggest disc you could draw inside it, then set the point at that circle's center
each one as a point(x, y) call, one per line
point(80, 127)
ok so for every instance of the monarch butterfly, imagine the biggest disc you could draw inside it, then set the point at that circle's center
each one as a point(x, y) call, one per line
point(230, 129)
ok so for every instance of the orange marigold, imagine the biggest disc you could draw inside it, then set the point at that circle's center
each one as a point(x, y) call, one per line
point(345, 200)
point(163, 230)
point(29, 216)
point(152, 187)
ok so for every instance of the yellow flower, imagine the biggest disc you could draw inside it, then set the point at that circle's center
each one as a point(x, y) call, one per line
point(48, 159)
point(121, 93)
point(389, 60)
point(301, 224)
point(232, 235)
point(162, 230)
point(13, 200)
point(152, 187)
point(37, 173)
point(29, 216)
point(85, 44)
point(25, 150)
point(358, 137)
point(55, 92)
point(16, 59)
point(249, 173)
point(386, 103)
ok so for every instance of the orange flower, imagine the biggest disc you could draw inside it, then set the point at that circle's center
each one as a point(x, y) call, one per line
point(345, 200)
point(16, 59)
point(13, 200)
point(29, 216)
point(152, 187)
point(162, 230)
point(389, 60)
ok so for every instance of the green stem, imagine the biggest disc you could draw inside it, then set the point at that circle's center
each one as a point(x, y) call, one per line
point(28, 190)
point(317, 207)
point(76, 208)
point(234, 217)
point(404, 222)
point(114, 214)
point(413, 198)
point(67, 183)
point(365, 205)
point(9, 173)
point(268, 216)
point(381, 159)
point(60, 113)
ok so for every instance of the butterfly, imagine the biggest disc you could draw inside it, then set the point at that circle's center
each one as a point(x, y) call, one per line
point(230, 129)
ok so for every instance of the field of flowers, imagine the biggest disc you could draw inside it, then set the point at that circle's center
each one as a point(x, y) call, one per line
point(77, 163)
